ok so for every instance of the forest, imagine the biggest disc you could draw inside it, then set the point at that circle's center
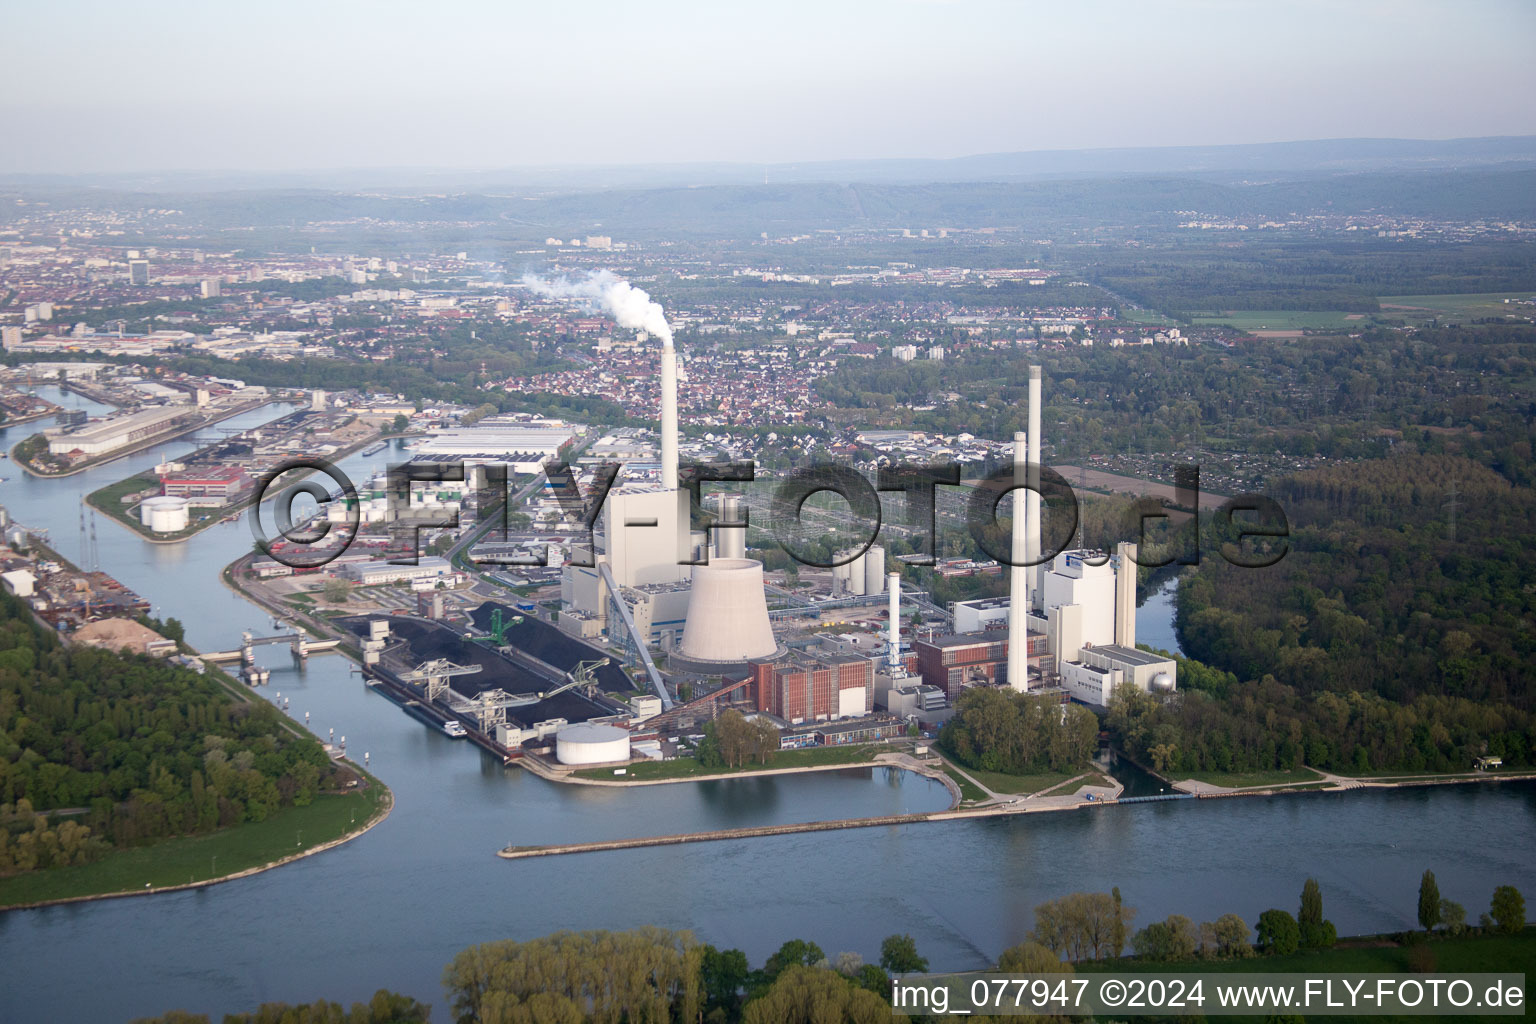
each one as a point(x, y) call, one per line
point(1405, 576)
point(101, 750)
point(1467, 391)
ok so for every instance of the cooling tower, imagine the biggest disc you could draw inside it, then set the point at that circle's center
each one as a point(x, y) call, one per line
point(727, 621)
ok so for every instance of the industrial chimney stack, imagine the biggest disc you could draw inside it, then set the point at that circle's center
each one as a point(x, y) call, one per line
point(669, 417)
point(1018, 585)
point(893, 656)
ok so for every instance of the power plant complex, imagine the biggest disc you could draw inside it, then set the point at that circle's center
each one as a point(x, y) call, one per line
point(660, 627)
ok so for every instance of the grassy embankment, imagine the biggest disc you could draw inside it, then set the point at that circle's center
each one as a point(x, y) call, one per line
point(195, 859)
point(998, 782)
point(687, 767)
point(1245, 780)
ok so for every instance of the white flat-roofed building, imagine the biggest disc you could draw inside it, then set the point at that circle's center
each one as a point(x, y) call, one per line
point(522, 445)
point(372, 573)
point(115, 431)
point(1092, 679)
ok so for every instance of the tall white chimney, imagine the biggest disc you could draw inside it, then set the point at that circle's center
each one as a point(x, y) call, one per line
point(1032, 503)
point(893, 656)
point(1018, 575)
point(669, 418)
point(1125, 595)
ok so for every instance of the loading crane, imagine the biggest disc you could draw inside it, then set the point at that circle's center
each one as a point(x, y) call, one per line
point(489, 707)
point(434, 676)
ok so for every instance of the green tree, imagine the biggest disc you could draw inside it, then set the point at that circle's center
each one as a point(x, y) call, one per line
point(1508, 909)
point(1117, 937)
point(1429, 901)
point(336, 590)
point(1316, 933)
point(1171, 939)
point(723, 972)
point(898, 955)
point(1278, 933)
point(1454, 916)
point(805, 995)
point(401, 425)
point(1032, 958)
point(1232, 936)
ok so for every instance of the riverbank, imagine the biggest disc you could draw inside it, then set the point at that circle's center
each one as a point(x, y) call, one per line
point(248, 849)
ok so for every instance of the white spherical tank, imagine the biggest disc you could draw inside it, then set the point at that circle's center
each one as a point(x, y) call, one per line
point(164, 514)
point(591, 744)
point(727, 613)
point(1162, 683)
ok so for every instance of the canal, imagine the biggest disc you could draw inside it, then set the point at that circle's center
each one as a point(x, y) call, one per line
point(392, 907)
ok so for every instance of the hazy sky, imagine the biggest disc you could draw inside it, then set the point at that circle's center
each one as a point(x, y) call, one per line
point(162, 84)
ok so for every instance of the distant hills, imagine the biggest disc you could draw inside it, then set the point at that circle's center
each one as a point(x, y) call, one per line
point(1257, 162)
point(1153, 189)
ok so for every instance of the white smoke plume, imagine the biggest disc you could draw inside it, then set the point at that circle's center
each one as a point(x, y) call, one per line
point(632, 307)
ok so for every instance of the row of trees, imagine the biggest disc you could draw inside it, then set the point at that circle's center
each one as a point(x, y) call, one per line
point(661, 976)
point(1004, 731)
point(132, 748)
point(732, 741)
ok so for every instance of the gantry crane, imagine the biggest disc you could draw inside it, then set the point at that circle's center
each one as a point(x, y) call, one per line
point(434, 676)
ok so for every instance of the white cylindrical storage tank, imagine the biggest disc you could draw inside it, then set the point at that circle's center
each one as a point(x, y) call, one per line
point(165, 513)
point(874, 570)
point(591, 744)
point(856, 577)
point(727, 613)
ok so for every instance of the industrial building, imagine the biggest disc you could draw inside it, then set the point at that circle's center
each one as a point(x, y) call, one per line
point(372, 573)
point(1071, 622)
point(811, 687)
point(115, 432)
point(520, 444)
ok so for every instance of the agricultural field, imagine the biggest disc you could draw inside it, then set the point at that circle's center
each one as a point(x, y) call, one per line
point(1482, 304)
point(1285, 320)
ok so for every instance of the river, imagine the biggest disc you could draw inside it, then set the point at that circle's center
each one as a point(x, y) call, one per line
point(392, 907)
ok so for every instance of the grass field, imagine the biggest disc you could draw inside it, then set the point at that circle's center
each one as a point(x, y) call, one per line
point(197, 858)
point(998, 782)
point(687, 767)
point(1426, 307)
point(1148, 317)
point(1376, 955)
point(1285, 320)
point(968, 789)
point(1242, 780)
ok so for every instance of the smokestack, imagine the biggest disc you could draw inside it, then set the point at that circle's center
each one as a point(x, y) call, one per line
point(1032, 502)
point(669, 416)
point(893, 656)
point(1018, 575)
point(1125, 595)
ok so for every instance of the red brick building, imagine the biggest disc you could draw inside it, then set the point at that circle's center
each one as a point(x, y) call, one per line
point(805, 688)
